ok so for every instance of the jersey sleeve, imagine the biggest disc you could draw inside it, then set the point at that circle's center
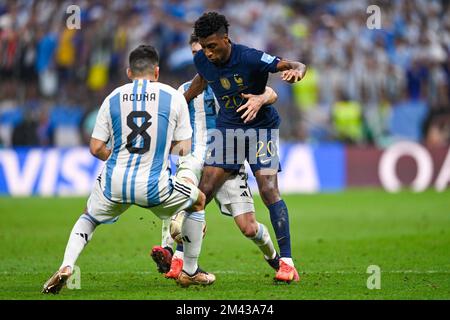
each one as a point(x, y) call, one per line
point(260, 61)
point(102, 129)
point(184, 87)
point(199, 62)
point(183, 130)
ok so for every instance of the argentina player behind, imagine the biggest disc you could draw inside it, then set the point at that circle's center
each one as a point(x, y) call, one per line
point(234, 197)
point(145, 120)
point(247, 131)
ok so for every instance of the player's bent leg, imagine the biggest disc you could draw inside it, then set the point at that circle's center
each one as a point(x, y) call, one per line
point(177, 260)
point(79, 237)
point(185, 196)
point(99, 210)
point(212, 179)
point(268, 188)
point(166, 239)
point(192, 236)
point(258, 233)
point(189, 169)
point(162, 255)
point(192, 228)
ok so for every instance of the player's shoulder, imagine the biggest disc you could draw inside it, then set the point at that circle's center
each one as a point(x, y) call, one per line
point(166, 88)
point(117, 91)
point(241, 47)
point(176, 96)
point(185, 86)
point(245, 52)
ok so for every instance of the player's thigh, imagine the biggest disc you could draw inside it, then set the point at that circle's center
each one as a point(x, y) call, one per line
point(212, 179)
point(189, 167)
point(263, 152)
point(234, 197)
point(184, 195)
point(103, 210)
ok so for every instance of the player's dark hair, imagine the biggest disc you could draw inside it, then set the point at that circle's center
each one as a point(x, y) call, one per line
point(143, 58)
point(210, 23)
point(193, 38)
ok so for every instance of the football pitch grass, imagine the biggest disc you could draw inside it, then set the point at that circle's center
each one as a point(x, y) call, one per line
point(335, 238)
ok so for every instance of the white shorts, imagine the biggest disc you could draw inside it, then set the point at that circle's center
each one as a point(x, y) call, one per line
point(233, 198)
point(103, 210)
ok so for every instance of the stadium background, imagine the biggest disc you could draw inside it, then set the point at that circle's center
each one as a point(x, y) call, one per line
point(373, 110)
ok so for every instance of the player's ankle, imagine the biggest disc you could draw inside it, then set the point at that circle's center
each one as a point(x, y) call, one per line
point(288, 261)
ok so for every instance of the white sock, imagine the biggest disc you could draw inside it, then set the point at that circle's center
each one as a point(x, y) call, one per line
point(79, 237)
point(179, 254)
point(289, 261)
point(264, 242)
point(192, 232)
point(166, 238)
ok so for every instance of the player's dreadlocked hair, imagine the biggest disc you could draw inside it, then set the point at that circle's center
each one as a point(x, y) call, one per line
point(210, 23)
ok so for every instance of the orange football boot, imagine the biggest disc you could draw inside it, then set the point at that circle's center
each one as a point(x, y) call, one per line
point(286, 273)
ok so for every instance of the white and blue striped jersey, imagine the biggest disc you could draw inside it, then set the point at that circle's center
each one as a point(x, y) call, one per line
point(203, 111)
point(141, 119)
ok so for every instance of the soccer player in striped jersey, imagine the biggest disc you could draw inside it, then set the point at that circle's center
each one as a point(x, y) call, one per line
point(233, 198)
point(144, 120)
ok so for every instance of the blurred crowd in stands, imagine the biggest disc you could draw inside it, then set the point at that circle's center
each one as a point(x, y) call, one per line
point(364, 86)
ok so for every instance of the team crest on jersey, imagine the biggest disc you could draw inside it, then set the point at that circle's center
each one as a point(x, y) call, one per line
point(225, 83)
point(239, 81)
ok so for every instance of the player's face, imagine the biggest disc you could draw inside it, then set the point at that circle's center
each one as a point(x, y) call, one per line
point(195, 47)
point(216, 47)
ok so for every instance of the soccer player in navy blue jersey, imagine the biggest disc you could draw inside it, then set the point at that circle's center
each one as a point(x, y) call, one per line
point(248, 129)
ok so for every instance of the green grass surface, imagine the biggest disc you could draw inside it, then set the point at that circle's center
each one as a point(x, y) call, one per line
point(335, 237)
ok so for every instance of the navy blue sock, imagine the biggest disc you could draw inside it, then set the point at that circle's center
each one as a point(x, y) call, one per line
point(280, 223)
point(179, 247)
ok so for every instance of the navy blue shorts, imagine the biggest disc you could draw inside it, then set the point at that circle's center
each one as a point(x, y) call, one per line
point(229, 148)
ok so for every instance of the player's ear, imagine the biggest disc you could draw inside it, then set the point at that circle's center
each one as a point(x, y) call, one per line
point(156, 73)
point(129, 74)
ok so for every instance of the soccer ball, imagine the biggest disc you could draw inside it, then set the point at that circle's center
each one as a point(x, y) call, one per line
point(175, 227)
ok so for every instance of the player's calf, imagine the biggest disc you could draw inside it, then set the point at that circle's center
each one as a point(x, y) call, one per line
point(259, 234)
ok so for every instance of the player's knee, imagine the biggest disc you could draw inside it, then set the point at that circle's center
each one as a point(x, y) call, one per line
point(249, 231)
point(200, 203)
point(269, 194)
point(207, 188)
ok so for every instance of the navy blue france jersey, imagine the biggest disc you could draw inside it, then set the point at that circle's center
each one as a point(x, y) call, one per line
point(246, 71)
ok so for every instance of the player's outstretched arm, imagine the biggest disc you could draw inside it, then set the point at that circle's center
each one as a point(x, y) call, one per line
point(291, 71)
point(255, 102)
point(99, 150)
point(198, 85)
